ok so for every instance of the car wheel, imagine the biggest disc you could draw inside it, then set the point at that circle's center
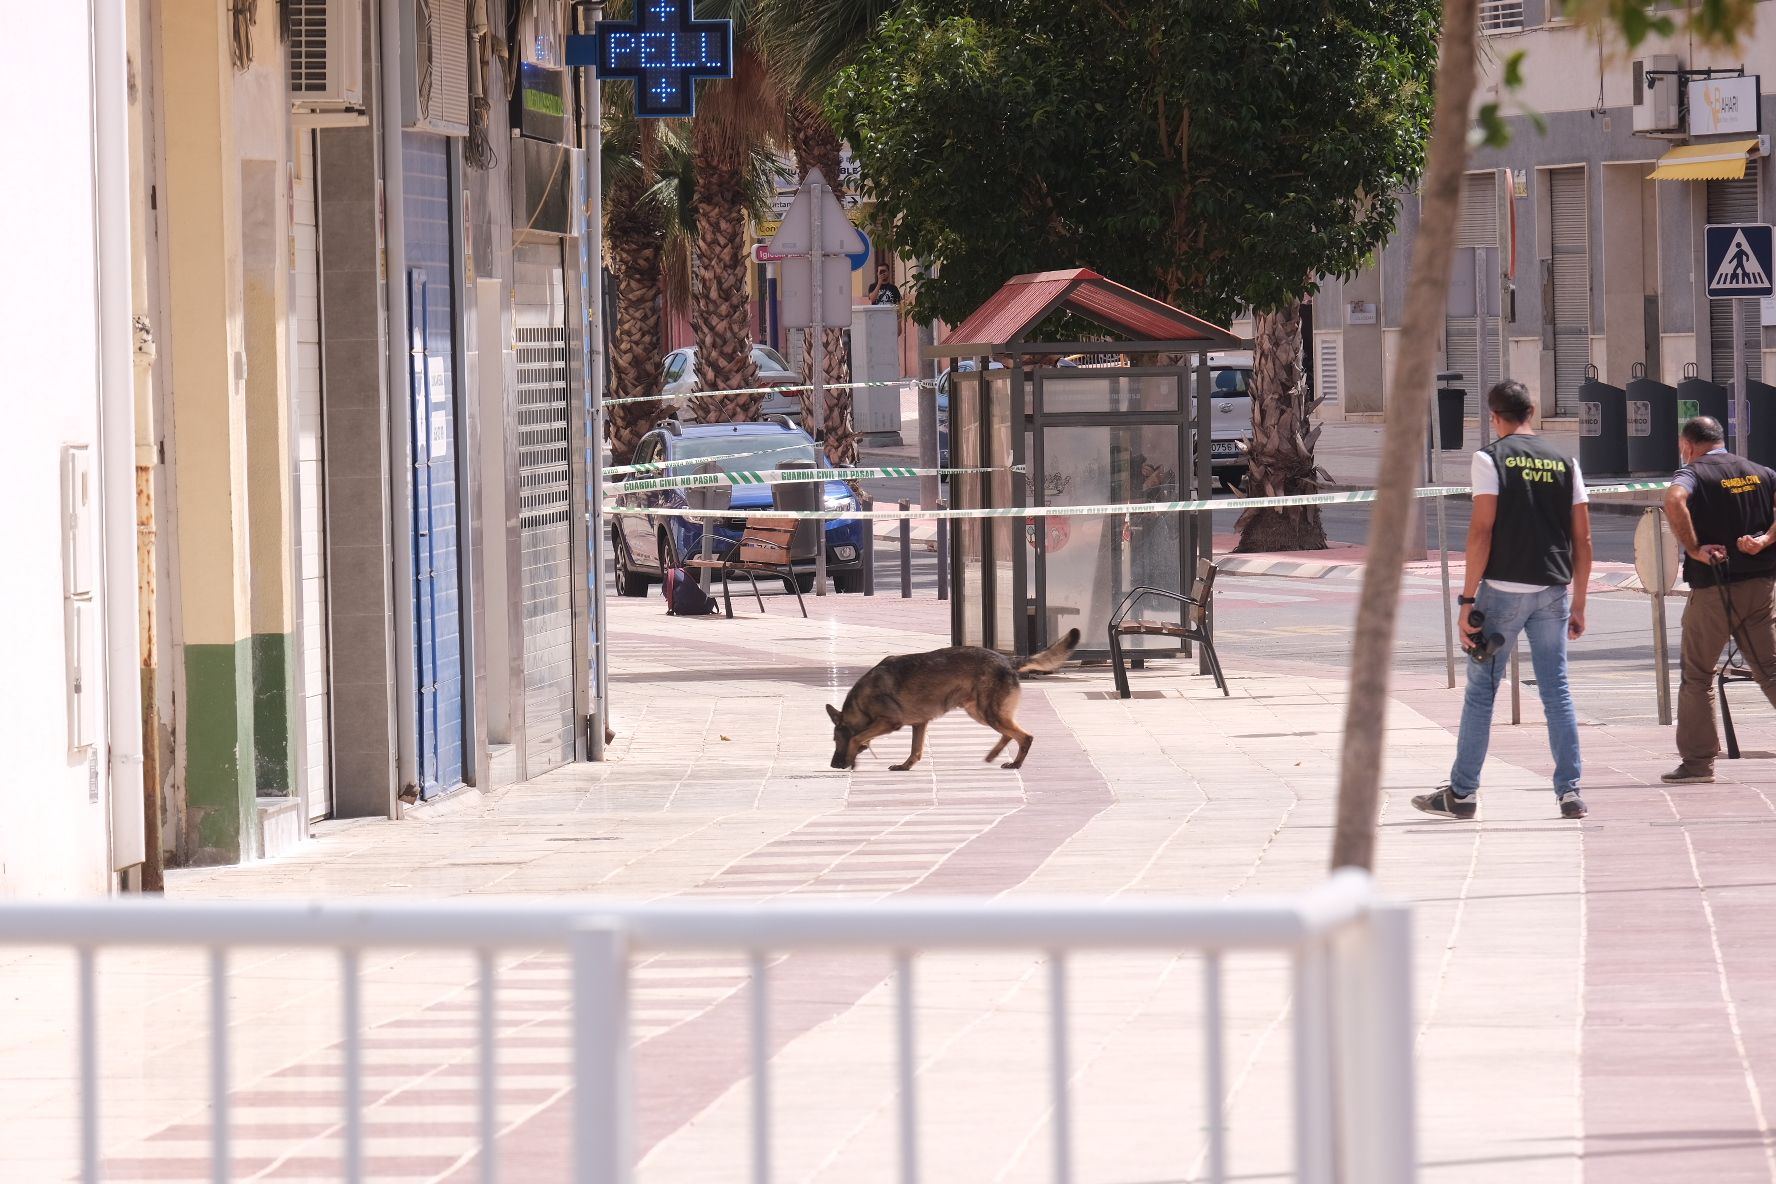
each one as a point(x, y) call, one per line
point(628, 583)
point(805, 581)
point(668, 553)
point(847, 581)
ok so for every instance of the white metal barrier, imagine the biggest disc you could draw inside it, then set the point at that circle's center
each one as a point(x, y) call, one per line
point(1352, 1013)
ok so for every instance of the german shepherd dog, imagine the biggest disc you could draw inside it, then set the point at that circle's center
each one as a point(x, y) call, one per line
point(917, 688)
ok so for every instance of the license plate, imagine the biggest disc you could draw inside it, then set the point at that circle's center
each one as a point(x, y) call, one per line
point(1224, 448)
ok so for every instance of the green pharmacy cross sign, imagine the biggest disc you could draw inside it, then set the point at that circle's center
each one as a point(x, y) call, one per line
point(664, 51)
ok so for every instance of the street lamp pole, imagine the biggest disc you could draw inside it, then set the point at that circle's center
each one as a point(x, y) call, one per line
point(592, 289)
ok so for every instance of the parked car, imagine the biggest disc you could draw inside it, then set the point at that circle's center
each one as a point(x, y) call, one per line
point(1230, 414)
point(643, 546)
point(678, 378)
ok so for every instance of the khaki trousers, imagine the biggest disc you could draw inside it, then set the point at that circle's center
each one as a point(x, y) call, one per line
point(1705, 631)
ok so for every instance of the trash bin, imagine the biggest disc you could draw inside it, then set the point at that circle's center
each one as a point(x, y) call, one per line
point(1698, 396)
point(1603, 426)
point(802, 495)
point(1452, 405)
point(1760, 441)
point(1652, 424)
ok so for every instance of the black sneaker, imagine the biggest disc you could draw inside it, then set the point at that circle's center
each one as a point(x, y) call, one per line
point(1445, 804)
point(1572, 805)
point(1686, 774)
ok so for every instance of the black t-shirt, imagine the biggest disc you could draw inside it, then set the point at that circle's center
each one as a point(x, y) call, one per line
point(1729, 497)
point(1532, 535)
point(886, 294)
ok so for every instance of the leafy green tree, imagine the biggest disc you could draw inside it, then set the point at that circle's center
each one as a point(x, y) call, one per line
point(1217, 155)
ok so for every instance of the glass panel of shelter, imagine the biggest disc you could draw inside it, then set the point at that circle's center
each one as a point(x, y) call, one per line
point(1108, 439)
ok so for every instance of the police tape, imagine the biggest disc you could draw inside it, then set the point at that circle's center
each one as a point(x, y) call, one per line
point(1351, 497)
point(785, 477)
point(765, 390)
point(660, 466)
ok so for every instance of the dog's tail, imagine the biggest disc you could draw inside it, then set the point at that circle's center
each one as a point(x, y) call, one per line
point(1050, 659)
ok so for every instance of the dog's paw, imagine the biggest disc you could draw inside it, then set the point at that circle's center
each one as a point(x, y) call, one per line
point(900, 768)
point(1012, 765)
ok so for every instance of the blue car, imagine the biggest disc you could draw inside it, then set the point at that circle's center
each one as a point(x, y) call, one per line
point(643, 546)
point(943, 407)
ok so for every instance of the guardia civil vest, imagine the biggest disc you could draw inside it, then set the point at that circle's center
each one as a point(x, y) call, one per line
point(1532, 536)
point(1732, 498)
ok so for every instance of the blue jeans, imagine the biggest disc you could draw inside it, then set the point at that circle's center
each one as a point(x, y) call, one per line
point(1543, 617)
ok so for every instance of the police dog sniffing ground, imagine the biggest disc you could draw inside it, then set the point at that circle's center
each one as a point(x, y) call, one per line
point(914, 689)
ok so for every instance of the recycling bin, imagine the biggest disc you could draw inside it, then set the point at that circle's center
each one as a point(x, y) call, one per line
point(1652, 425)
point(1698, 396)
point(1452, 403)
point(1603, 427)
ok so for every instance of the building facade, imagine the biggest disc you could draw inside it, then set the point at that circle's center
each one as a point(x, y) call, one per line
point(1570, 255)
point(307, 522)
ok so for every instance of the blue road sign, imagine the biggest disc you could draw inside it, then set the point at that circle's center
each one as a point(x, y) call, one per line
point(1738, 258)
point(859, 258)
point(663, 52)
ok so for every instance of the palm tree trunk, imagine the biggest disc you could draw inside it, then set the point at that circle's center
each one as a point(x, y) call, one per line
point(817, 147)
point(634, 238)
point(1359, 779)
point(1280, 462)
point(718, 290)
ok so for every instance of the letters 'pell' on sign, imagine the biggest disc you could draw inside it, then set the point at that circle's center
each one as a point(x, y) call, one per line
point(663, 51)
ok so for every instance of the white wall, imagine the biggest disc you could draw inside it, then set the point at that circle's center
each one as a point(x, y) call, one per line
point(53, 823)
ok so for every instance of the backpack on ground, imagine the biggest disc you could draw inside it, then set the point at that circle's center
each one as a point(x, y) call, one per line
point(684, 596)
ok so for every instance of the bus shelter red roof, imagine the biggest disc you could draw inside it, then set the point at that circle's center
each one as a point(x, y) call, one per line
point(1025, 301)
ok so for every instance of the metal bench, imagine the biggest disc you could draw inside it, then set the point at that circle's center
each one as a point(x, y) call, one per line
point(1195, 627)
point(764, 550)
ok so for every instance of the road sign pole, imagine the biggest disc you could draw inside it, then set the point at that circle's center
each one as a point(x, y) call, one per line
point(817, 380)
point(1743, 433)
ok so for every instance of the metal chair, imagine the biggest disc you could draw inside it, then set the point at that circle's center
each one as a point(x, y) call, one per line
point(1195, 627)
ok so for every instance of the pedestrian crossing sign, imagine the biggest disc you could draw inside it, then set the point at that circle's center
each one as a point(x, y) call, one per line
point(1739, 264)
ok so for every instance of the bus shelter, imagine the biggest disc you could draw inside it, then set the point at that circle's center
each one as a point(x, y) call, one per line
point(1086, 432)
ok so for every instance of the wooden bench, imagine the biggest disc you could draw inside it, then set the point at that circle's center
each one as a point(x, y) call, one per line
point(1196, 626)
point(763, 550)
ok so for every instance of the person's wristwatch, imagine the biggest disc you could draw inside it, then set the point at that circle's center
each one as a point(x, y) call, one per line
point(1464, 600)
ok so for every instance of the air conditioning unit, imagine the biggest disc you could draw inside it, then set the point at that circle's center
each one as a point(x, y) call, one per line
point(435, 67)
point(326, 56)
point(1658, 95)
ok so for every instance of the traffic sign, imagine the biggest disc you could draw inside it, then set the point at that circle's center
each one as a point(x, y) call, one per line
point(1738, 259)
point(859, 258)
point(664, 53)
point(796, 235)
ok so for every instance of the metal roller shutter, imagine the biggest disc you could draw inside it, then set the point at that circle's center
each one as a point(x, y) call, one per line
point(1734, 201)
point(1568, 206)
point(545, 521)
point(437, 586)
point(311, 545)
point(1477, 228)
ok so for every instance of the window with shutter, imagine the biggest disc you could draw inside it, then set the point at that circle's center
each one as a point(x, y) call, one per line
point(1571, 267)
point(1501, 16)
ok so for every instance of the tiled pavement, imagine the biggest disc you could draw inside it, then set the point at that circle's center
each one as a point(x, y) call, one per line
point(1585, 1010)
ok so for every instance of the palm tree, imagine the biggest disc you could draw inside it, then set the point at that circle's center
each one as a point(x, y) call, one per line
point(809, 42)
point(734, 119)
point(817, 146)
point(1280, 459)
point(635, 233)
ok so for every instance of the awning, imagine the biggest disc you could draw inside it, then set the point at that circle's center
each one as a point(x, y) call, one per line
point(1722, 161)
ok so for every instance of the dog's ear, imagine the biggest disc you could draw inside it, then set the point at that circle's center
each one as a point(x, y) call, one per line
point(833, 711)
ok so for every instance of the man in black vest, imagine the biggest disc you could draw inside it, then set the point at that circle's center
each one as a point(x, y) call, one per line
point(1528, 564)
point(1720, 508)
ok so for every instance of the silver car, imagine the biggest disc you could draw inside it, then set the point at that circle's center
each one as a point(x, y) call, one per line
point(678, 378)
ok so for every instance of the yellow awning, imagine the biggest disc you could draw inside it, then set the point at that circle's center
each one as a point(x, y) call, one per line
point(1723, 161)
